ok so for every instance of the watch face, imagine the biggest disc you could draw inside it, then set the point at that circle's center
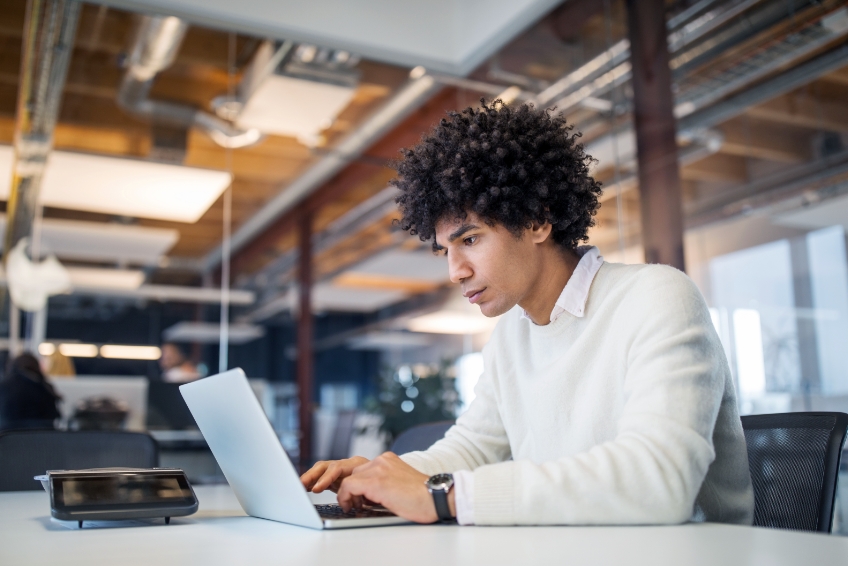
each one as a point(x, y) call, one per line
point(440, 481)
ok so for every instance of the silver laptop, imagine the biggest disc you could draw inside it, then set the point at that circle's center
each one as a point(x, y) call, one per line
point(256, 466)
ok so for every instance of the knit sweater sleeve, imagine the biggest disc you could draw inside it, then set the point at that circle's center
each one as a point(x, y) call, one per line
point(652, 470)
point(478, 437)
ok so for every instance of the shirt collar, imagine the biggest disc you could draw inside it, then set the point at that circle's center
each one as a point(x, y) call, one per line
point(576, 291)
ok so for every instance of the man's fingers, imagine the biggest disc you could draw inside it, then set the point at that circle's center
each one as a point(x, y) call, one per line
point(312, 475)
point(330, 476)
point(350, 489)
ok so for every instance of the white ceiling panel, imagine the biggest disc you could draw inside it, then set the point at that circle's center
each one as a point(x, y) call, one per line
point(422, 265)
point(126, 187)
point(101, 241)
point(210, 332)
point(451, 36)
point(328, 297)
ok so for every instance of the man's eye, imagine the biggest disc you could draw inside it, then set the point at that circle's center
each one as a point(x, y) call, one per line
point(470, 240)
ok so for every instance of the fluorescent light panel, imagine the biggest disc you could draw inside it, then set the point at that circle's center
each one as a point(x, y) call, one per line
point(124, 352)
point(451, 322)
point(78, 350)
point(127, 187)
point(299, 108)
point(111, 351)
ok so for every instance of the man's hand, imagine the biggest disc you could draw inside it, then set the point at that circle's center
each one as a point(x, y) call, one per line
point(394, 484)
point(329, 475)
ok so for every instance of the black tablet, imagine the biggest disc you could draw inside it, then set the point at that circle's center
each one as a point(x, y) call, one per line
point(120, 493)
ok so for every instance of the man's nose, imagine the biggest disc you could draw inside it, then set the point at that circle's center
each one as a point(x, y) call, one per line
point(458, 269)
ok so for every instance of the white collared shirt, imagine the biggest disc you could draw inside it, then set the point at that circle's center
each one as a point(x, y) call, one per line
point(575, 293)
point(573, 301)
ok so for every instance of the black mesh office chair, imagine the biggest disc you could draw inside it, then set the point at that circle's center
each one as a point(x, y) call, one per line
point(794, 462)
point(420, 437)
point(24, 454)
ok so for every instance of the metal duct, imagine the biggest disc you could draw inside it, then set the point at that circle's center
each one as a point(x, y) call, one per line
point(157, 42)
point(49, 32)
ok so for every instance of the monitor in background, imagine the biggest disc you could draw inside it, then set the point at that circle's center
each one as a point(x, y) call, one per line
point(131, 390)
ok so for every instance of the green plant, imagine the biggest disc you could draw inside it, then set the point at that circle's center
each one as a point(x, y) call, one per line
point(413, 395)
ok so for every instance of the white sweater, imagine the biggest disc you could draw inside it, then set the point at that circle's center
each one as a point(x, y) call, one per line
point(624, 416)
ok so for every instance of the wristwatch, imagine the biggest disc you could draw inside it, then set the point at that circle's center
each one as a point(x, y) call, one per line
point(439, 486)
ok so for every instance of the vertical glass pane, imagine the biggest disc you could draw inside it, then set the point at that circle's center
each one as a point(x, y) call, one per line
point(829, 283)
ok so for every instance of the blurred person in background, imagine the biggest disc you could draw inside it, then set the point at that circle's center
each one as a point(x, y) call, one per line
point(58, 364)
point(27, 400)
point(176, 367)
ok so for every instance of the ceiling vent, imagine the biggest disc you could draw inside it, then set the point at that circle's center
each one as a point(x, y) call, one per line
point(293, 91)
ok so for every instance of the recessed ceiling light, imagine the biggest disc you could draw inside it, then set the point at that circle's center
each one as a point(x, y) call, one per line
point(127, 187)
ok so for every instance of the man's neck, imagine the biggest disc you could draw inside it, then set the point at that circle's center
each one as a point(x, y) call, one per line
point(556, 267)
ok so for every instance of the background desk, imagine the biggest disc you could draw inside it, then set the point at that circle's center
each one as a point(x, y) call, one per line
point(220, 534)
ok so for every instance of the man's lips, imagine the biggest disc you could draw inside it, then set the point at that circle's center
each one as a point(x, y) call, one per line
point(474, 296)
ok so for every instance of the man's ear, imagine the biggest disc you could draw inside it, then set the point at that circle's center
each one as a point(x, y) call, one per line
point(539, 232)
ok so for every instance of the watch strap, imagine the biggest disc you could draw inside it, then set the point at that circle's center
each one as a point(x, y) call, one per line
point(440, 498)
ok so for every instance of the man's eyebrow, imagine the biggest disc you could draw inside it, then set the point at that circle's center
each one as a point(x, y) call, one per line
point(462, 230)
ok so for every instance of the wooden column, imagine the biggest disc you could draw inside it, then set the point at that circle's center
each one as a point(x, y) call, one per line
point(305, 337)
point(656, 143)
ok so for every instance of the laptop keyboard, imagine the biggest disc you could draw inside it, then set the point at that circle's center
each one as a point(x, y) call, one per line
point(336, 512)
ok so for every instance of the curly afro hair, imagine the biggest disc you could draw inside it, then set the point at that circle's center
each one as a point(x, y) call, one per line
point(510, 165)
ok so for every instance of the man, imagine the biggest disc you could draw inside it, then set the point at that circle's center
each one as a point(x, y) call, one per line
point(175, 365)
point(606, 397)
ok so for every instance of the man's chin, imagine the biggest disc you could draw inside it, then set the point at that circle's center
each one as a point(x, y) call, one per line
point(491, 309)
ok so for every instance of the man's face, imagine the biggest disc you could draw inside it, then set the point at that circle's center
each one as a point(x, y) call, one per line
point(171, 357)
point(495, 269)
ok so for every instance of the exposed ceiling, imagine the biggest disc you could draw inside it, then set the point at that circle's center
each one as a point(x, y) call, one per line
point(750, 139)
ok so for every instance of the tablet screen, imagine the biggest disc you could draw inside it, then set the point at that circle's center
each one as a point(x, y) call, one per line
point(134, 489)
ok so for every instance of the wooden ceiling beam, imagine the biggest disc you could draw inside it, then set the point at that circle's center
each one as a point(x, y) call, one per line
point(717, 168)
point(804, 111)
point(759, 139)
point(839, 77)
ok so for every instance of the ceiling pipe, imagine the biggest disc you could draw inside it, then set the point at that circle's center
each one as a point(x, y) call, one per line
point(418, 90)
point(156, 45)
point(699, 113)
point(612, 67)
point(48, 39)
point(47, 45)
point(803, 185)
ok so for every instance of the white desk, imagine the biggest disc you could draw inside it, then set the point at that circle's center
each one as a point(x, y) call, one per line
point(220, 534)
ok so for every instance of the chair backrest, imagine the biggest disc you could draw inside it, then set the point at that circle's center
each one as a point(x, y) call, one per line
point(24, 454)
point(343, 435)
point(794, 462)
point(420, 437)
